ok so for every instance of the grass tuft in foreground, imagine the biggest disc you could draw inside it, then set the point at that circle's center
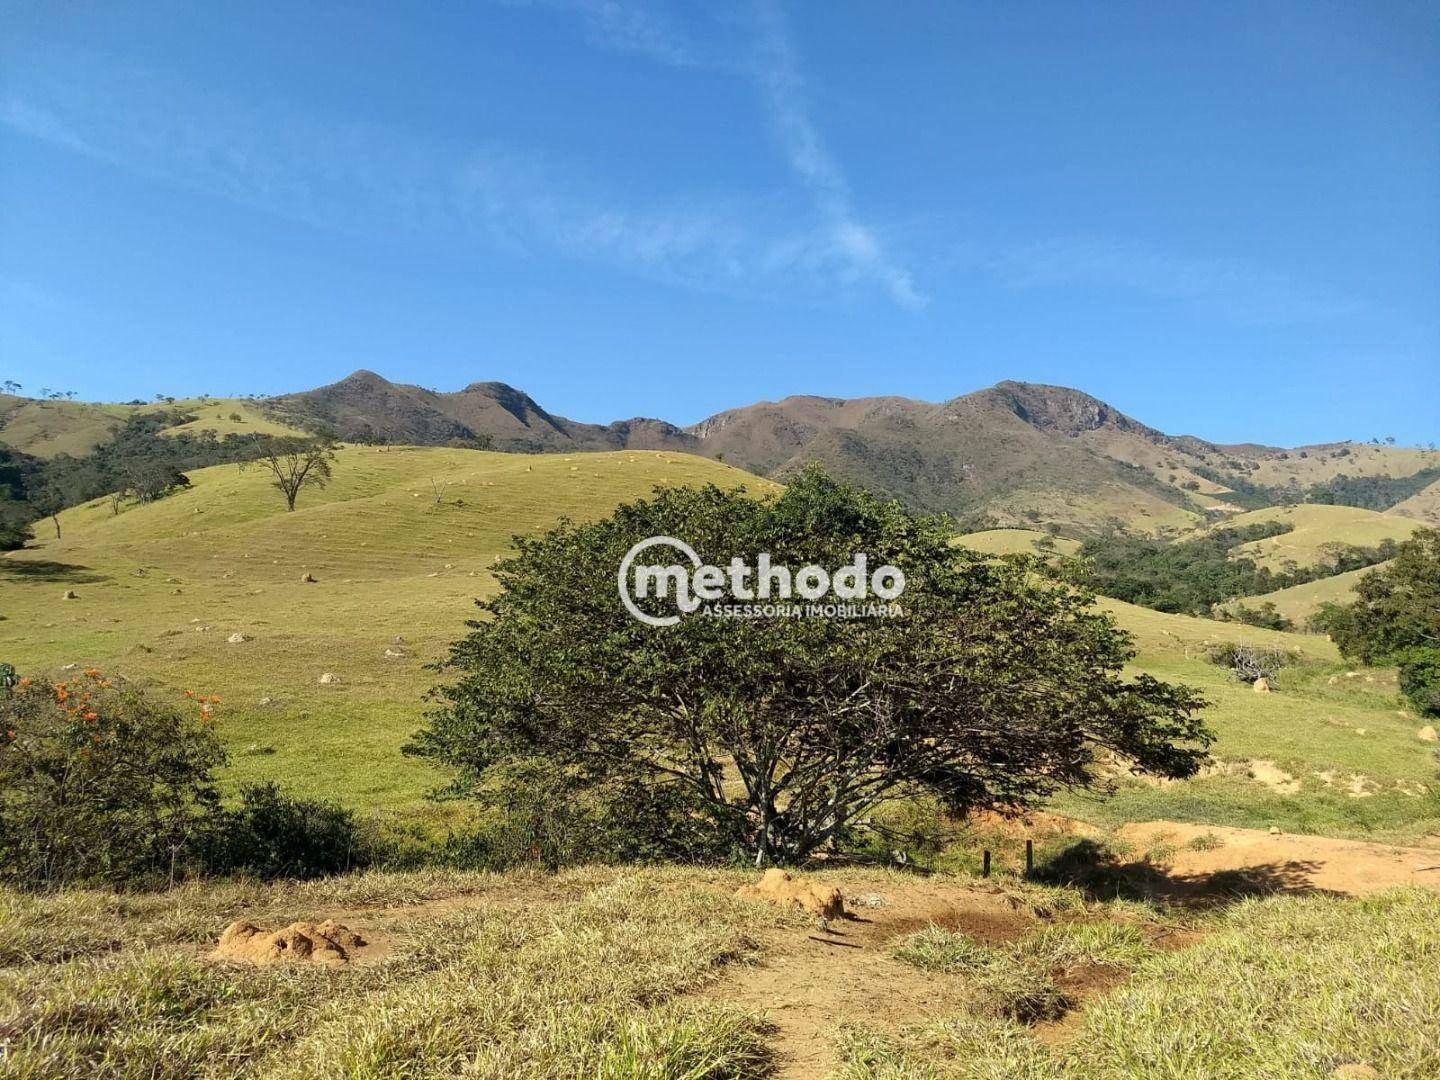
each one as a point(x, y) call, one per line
point(1283, 986)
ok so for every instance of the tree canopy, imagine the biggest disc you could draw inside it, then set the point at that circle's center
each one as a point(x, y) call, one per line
point(996, 686)
point(1395, 619)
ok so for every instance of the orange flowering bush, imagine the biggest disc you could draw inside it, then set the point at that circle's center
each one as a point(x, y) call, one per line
point(99, 784)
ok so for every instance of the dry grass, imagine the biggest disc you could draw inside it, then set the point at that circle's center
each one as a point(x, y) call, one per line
point(595, 972)
point(1287, 986)
point(587, 975)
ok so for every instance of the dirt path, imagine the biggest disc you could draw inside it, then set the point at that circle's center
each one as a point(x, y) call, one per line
point(1286, 862)
point(808, 983)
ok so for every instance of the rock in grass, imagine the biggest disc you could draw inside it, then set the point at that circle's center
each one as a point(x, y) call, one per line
point(237, 639)
point(329, 679)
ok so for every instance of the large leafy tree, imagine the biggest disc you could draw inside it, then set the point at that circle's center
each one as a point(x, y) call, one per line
point(996, 686)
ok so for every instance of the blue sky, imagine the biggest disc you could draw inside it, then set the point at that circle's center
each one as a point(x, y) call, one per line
point(1222, 218)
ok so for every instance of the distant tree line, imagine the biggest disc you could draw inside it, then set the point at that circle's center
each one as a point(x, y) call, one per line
point(1192, 576)
point(1371, 492)
point(141, 463)
point(1365, 492)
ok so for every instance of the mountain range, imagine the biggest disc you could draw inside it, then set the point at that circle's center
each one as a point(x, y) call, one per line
point(1012, 454)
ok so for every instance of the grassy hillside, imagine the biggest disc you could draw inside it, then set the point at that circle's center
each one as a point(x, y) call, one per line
point(162, 587)
point(1299, 602)
point(1314, 527)
point(1424, 506)
point(48, 428)
point(1011, 541)
point(1331, 751)
point(1308, 465)
point(226, 416)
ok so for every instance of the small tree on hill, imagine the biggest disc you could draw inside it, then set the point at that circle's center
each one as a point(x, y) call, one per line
point(298, 463)
point(996, 686)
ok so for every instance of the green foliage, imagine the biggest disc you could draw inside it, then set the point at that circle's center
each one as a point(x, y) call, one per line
point(1375, 492)
point(1396, 608)
point(98, 784)
point(996, 686)
point(269, 834)
point(1420, 678)
point(1265, 615)
point(536, 815)
point(1371, 492)
point(1192, 576)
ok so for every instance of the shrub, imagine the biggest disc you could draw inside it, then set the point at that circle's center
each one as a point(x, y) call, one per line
point(1266, 616)
point(1420, 679)
point(270, 834)
point(99, 785)
point(533, 814)
point(1248, 662)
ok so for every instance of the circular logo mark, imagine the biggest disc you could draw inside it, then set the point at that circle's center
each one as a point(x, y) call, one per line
point(623, 579)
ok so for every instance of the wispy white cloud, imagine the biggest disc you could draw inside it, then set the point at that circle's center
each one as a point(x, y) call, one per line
point(624, 25)
point(1235, 289)
point(38, 123)
point(373, 181)
point(852, 246)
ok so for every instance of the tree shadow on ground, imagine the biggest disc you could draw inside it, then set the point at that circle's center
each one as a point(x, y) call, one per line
point(1102, 874)
point(46, 570)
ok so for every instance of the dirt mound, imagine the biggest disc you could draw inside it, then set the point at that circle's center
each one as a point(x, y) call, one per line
point(783, 888)
point(329, 944)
